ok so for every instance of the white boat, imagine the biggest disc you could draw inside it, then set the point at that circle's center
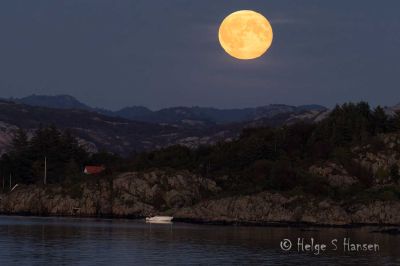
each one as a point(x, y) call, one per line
point(159, 219)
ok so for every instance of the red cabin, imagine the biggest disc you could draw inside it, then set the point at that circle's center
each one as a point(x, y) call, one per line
point(93, 169)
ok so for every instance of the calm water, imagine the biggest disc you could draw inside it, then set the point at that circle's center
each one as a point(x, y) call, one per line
point(68, 241)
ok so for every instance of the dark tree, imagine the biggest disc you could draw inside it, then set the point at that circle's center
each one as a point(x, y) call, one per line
point(381, 120)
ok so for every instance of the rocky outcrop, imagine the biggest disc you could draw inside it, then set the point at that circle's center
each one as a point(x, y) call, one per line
point(144, 194)
point(381, 160)
point(267, 208)
point(335, 175)
point(191, 198)
point(381, 157)
point(56, 201)
point(378, 212)
point(128, 195)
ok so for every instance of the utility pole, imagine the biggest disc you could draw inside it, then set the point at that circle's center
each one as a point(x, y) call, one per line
point(10, 181)
point(45, 171)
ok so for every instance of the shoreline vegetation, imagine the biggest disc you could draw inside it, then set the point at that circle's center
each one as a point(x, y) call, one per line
point(341, 171)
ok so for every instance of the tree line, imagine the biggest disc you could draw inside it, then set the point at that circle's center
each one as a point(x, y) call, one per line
point(261, 158)
point(279, 158)
point(58, 149)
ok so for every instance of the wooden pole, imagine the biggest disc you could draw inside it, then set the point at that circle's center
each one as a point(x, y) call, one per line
point(10, 181)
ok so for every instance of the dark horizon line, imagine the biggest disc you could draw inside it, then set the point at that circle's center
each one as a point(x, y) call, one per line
point(155, 110)
point(185, 106)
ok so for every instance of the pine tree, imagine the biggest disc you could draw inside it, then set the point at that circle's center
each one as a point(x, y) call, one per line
point(20, 141)
point(20, 157)
point(396, 121)
point(380, 120)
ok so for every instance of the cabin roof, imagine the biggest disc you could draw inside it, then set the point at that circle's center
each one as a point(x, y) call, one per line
point(94, 169)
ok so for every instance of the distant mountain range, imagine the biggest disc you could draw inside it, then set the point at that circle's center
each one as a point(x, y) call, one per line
point(139, 128)
point(96, 131)
point(175, 115)
point(58, 101)
point(134, 129)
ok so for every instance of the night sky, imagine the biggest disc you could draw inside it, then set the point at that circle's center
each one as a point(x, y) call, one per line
point(163, 53)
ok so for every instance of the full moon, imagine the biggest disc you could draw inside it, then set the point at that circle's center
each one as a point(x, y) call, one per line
point(245, 34)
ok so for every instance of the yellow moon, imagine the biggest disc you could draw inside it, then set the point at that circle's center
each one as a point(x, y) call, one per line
point(245, 34)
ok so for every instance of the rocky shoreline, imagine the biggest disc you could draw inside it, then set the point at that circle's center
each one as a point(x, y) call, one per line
point(322, 214)
point(191, 198)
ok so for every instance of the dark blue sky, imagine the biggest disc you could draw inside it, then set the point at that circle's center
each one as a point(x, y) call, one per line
point(166, 53)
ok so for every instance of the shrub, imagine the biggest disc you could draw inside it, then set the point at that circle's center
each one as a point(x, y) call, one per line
point(394, 172)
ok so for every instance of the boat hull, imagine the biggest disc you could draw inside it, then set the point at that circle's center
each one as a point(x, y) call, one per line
point(159, 219)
